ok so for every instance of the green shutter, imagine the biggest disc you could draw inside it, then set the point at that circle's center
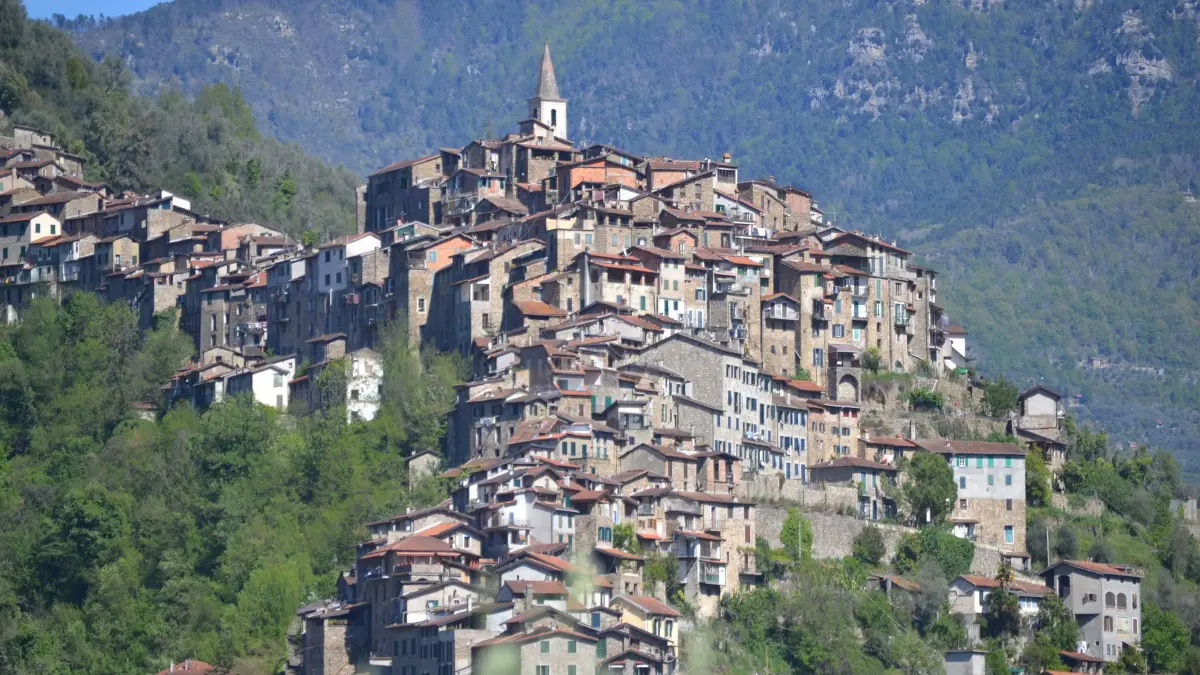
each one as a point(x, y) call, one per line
point(979, 462)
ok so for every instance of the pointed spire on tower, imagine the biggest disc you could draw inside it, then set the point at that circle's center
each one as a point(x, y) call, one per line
point(547, 86)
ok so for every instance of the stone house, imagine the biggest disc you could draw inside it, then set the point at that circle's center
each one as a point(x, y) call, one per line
point(672, 278)
point(267, 382)
point(969, 594)
point(780, 317)
point(62, 205)
point(650, 615)
point(413, 266)
point(991, 490)
point(765, 196)
point(1104, 599)
point(400, 192)
point(625, 648)
point(662, 171)
point(873, 480)
point(541, 651)
point(620, 280)
point(835, 431)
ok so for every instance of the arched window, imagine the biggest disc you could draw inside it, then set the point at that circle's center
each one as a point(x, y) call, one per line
point(1135, 600)
point(1121, 601)
point(1110, 600)
point(1108, 624)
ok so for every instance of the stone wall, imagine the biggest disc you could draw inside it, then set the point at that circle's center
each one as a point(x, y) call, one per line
point(833, 536)
point(760, 487)
point(1092, 507)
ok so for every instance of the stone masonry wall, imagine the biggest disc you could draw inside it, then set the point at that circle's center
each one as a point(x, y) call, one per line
point(761, 487)
point(833, 536)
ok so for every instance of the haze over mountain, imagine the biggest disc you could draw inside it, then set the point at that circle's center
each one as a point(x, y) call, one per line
point(1039, 154)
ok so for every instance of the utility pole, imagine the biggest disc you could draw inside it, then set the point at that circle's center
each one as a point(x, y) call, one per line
point(1047, 543)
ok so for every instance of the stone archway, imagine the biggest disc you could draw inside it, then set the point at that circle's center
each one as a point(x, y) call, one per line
point(847, 388)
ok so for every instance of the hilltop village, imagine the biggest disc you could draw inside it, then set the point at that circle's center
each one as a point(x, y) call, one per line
point(658, 347)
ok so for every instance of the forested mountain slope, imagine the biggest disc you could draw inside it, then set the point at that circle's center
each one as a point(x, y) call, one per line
point(205, 145)
point(1038, 152)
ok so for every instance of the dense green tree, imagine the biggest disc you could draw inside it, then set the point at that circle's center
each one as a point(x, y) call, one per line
point(796, 535)
point(869, 546)
point(1165, 639)
point(1037, 480)
point(928, 490)
point(999, 397)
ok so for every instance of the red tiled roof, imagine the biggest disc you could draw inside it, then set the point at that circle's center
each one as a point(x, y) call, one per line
point(890, 441)
point(518, 587)
point(649, 605)
point(852, 462)
point(1101, 568)
point(1026, 587)
point(538, 308)
point(947, 447)
point(405, 164)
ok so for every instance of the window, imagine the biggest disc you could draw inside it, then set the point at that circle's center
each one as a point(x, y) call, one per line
point(37, 227)
point(979, 462)
point(1008, 534)
point(1110, 600)
point(421, 305)
point(1008, 505)
point(1008, 479)
point(962, 462)
point(1135, 604)
point(545, 646)
point(53, 228)
point(670, 627)
point(818, 357)
point(570, 670)
point(658, 626)
point(570, 646)
point(839, 330)
point(543, 670)
point(962, 482)
point(1122, 602)
point(1108, 623)
point(991, 480)
point(326, 279)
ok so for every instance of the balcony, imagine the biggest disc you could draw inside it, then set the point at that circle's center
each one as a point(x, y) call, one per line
point(901, 319)
point(780, 312)
point(418, 570)
point(821, 312)
point(858, 292)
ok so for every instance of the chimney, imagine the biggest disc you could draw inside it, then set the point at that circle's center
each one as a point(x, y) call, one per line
point(912, 430)
point(866, 436)
point(728, 157)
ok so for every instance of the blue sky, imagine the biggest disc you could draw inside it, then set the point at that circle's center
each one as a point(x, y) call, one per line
point(42, 9)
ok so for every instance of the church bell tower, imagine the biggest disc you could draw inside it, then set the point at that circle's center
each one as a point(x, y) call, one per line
point(547, 105)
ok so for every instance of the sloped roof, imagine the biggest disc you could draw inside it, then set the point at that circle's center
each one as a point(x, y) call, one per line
point(649, 605)
point(547, 84)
